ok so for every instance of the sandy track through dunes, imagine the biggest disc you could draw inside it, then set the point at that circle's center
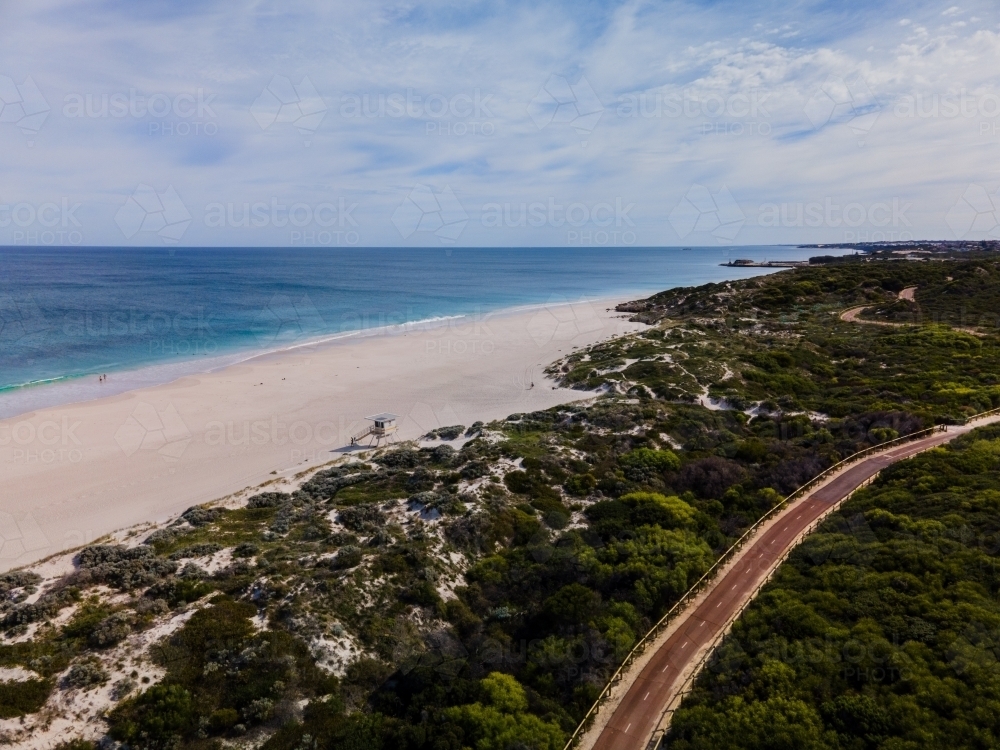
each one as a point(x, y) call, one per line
point(850, 315)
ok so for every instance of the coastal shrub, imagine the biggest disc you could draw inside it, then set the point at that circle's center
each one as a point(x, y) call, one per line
point(347, 557)
point(258, 711)
point(443, 454)
point(192, 571)
point(710, 477)
point(421, 593)
point(220, 670)
point(47, 606)
point(196, 550)
point(580, 485)
point(401, 458)
point(177, 591)
point(122, 567)
point(420, 479)
point(474, 470)
point(223, 719)
point(200, 516)
point(101, 554)
point(343, 538)
point(90, 614)
point(158, 718)
point(752, 451)
point(111, 630)
point(501, 722)
point(76, 744)
point(18, 579)
point(268, 499)
point(470, 532)
point(531, 483)
point(615, 518)
point(789, 475)
point(25, 697)
point(282, 522)
point(882, 434)
point(316, 527)
point(162, 536)
point(245, 549)
point(85, 675)
point(549, 505)
point(649, 459)
point(325, 485)
point(122, 688)
point(446, 433)
point(443, 502)
point(555, 519)
point(366, 517)
point(150, 606)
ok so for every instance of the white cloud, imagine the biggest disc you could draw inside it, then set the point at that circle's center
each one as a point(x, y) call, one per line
point(444, 98)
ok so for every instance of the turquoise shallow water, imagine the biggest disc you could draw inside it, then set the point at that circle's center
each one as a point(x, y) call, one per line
point(150, 315)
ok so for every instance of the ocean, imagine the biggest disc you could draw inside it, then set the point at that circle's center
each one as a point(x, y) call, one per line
point(146, 315)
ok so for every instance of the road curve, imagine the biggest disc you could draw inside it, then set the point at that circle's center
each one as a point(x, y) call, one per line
point(640, 710)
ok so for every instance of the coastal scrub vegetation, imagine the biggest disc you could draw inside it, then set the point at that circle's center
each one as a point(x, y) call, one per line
point(778, 343)
point(479, 592)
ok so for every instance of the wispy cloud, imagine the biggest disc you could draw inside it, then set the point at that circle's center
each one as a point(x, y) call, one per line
point(286, 109)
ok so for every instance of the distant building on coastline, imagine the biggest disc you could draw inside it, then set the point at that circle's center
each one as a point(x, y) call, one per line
point(747, 263)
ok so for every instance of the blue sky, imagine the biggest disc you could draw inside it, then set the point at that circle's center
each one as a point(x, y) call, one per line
point(495, 124)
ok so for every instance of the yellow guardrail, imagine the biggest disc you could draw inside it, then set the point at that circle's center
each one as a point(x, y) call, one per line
point(982, 415)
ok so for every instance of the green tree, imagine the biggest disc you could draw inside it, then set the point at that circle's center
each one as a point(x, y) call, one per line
point(501, 723)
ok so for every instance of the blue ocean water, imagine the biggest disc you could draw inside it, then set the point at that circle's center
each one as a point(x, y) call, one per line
point(149, 315)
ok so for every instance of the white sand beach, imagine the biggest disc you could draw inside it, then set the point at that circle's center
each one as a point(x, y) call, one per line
point(74, 473)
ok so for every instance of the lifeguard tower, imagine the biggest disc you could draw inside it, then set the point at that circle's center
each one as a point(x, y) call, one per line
point(382, 427)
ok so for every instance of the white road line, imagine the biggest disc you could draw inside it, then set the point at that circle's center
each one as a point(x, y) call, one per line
point(718, 605)
point(647, 695)
point(684, 645)
point(628, 727)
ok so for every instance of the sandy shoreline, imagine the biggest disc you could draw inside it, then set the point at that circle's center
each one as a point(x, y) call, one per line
point(18, 399)
point(73, 473)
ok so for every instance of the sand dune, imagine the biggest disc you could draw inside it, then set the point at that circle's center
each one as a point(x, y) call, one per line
point(74, 473)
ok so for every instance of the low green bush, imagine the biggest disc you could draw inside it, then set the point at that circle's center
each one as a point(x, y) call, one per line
point(21, 698)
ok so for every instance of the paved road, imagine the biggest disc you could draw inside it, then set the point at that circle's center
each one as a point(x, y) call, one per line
point(638, 714)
